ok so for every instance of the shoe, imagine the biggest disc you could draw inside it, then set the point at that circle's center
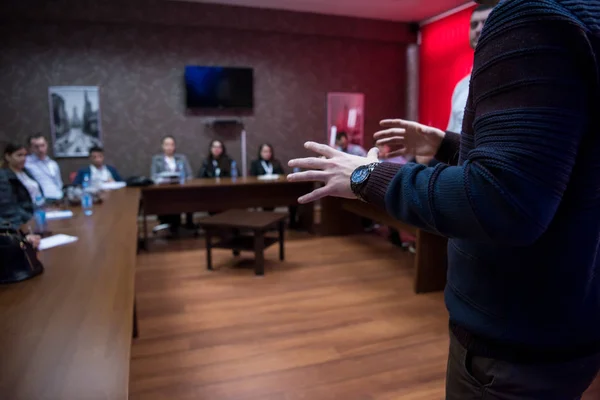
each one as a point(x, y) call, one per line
point(161, 227)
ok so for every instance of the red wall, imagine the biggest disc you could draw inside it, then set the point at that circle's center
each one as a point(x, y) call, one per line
point(445, 58)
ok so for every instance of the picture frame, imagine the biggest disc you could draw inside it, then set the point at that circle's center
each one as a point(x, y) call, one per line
point(74, 120)
point(345, 113)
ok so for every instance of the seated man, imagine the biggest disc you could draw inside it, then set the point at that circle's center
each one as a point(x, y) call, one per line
point(43, 169)
point(97, 171)
point(343, 144)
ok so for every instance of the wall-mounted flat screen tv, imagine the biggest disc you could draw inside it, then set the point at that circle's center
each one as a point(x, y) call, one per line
point(219, 87)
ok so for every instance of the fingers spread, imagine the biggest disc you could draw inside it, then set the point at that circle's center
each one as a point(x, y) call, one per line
point(315, 195)
point(308, 176)
point(393, 142)
point(321, 149)
point(389, 133)
point(309, 163)
point(397, 123)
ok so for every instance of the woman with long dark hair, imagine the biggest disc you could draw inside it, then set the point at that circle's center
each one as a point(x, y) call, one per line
point(18, 190)
point(266, 163)
point(217, 164)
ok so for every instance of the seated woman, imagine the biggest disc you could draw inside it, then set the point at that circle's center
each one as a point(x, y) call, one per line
point(169, 161)
point(18, 190)
point(218, 164)
point(267, 164)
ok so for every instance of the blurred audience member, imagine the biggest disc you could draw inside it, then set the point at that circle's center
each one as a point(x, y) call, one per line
point(45, 170)
point(343, 144)
point(266, 163)
point(217, 164)
point(169, 161)
point(97, 172)
point(18, 189)
point(461, 91)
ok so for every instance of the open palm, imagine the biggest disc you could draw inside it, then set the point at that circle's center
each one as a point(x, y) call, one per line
point(409, 138)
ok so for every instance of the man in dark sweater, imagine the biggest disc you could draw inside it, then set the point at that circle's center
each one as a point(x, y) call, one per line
point(518, 194)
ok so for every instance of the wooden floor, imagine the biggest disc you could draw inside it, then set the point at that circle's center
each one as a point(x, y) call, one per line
point(337, 320)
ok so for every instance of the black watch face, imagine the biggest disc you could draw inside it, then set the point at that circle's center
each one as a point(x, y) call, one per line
point(360, 175)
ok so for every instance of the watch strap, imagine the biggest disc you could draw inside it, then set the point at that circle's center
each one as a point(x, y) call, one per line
point(359, 188)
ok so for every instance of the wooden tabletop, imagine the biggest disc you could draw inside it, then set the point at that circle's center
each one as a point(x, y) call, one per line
point(241, 181)
point(243, 219)
point(66, 334)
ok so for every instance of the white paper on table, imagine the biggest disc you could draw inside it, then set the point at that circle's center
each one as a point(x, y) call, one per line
point(59, 214)
point(272, 177)
point(56, 240)
point(112, 185)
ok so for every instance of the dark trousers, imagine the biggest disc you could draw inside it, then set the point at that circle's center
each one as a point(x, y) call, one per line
point(470, 377)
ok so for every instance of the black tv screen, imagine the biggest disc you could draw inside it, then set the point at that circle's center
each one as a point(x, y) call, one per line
point(219, 87)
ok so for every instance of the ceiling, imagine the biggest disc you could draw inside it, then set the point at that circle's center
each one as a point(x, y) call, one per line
point(393, 10)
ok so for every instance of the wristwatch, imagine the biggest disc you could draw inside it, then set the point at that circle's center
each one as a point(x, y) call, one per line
point(359, 179)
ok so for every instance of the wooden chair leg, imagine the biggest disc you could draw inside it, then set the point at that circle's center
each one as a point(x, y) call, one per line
point(259, 256)
point(145, 233)
point(281, 240)
point(208, 236)
point(135, 321)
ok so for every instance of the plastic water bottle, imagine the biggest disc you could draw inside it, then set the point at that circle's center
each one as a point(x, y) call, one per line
point(181, 170)
point(41, 225)
point(86, 182)
point(234, 170)
point(87, 201)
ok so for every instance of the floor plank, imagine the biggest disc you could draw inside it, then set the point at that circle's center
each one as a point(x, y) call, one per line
point(337, 320)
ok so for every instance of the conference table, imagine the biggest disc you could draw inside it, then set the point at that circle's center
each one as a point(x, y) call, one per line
point(66, 334)
point(223, 194)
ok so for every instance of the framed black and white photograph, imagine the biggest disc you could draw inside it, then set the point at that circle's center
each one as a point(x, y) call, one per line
point(74, 120)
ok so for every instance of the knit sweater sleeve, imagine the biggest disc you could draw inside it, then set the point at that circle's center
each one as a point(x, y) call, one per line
point(529, 109)
point(449, 149)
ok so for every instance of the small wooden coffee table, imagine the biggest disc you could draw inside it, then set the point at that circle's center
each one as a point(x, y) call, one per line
point(235, 222)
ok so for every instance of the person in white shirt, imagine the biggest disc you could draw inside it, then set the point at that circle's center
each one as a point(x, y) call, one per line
point(343, 144)
point(461, 91)
point(45, 170)
point(97, 172)
point(170, 161)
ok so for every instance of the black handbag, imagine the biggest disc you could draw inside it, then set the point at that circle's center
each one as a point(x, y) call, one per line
point(139, 181)
point(18, 258)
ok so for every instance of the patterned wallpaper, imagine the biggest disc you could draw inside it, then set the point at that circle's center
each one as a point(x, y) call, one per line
point(139, 64)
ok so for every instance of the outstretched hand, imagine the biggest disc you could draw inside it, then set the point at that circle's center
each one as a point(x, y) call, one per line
point(409, 138)
point(334, 169)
